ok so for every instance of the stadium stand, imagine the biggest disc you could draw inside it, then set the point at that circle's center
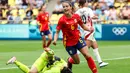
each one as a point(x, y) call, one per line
point(101, 9)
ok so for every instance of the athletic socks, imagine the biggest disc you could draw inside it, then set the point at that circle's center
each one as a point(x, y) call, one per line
point(90, 62)
point(23, 67)
point(92, 65)
point(97, 55)
point(70, 62)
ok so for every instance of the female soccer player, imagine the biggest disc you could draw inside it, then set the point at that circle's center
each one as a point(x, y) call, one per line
point(72, 41)
point(87, 15)
point(46, 63)
point(43, 21)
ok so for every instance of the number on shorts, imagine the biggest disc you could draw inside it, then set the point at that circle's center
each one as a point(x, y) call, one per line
point(80, 40)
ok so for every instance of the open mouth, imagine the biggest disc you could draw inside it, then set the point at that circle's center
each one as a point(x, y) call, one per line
point(66, 10)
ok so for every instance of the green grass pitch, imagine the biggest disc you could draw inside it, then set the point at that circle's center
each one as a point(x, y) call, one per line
point(116, 53)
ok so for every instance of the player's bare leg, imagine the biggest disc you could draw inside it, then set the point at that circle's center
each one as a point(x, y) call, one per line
point(23, 67)
point(49, 40)
point(89, 59)
point(89, 43)
point(44, 41)
point(33, 70)
point(73, 60)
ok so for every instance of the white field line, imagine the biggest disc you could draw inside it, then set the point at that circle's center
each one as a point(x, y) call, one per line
point(81, 62)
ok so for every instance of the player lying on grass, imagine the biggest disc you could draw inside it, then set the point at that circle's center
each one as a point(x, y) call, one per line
point(46, 63)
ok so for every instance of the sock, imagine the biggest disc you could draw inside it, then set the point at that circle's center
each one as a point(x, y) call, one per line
point(71, 60)
point(23, 67)
point(97, 55)
point(92, 65)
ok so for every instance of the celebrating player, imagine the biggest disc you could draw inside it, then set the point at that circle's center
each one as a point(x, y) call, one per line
point(43, 21)
point(72, 40)
point(87, 15)
point(46, 63)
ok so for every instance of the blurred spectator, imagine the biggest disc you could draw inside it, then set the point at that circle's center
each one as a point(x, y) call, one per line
point(18, 3)
point(29, 13)
point(11, 3)
point(10, 19)
point(3, 2)
point(1, 14)
point(76, 5)
point(112, 13)
point(120, 0)
point(94, 10)
point(17, 19)
point(14, 11)
point(32, 3)
point(108, 2)
point(102, 16)
point(24, 4)
point(125, 13)
point(58, 8)
point(39, 3)
point(107, 12)
point(98, 10)
point(9, 11)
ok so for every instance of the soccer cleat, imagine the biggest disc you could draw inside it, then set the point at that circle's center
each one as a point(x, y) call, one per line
point(11, 61)
point(69, 65)
point(103, 64)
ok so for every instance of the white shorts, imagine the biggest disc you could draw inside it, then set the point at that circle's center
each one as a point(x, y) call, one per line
point(89, 36)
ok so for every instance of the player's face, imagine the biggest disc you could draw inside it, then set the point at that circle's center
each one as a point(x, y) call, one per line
point(86, 4)
point(67, 8)
point(44, 8)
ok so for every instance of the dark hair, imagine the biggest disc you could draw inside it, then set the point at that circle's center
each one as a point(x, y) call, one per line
point(66, 70)
point(82, 2)
point(68, 3)
point(42, 6)
point(73, 8)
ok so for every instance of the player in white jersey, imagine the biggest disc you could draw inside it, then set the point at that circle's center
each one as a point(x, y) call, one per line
point(87, 15)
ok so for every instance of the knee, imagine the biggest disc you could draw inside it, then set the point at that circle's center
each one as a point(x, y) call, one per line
point(77, 62)
point(86, 55)
point(50, 39)
point(33, 70)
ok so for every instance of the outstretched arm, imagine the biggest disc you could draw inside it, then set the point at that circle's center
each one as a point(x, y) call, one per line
point(86, 28)
point(56, 36)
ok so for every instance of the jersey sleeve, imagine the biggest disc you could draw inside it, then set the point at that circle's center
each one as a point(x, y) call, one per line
point(48, 17)
point(91, 14)
point(80, 22)
point(59, 26)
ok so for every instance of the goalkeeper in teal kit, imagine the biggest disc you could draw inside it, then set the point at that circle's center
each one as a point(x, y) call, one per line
point(46, 63)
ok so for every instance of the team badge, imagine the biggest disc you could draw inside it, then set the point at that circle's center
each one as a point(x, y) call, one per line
point(70, 51)
point(72, 27)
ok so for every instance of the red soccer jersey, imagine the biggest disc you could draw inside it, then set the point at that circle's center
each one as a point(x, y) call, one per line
point(43, 19)
point(69, 27)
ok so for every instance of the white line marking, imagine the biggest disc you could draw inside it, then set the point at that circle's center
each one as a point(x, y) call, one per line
point(10, 68)
point(81, 62)
point(112, 59)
